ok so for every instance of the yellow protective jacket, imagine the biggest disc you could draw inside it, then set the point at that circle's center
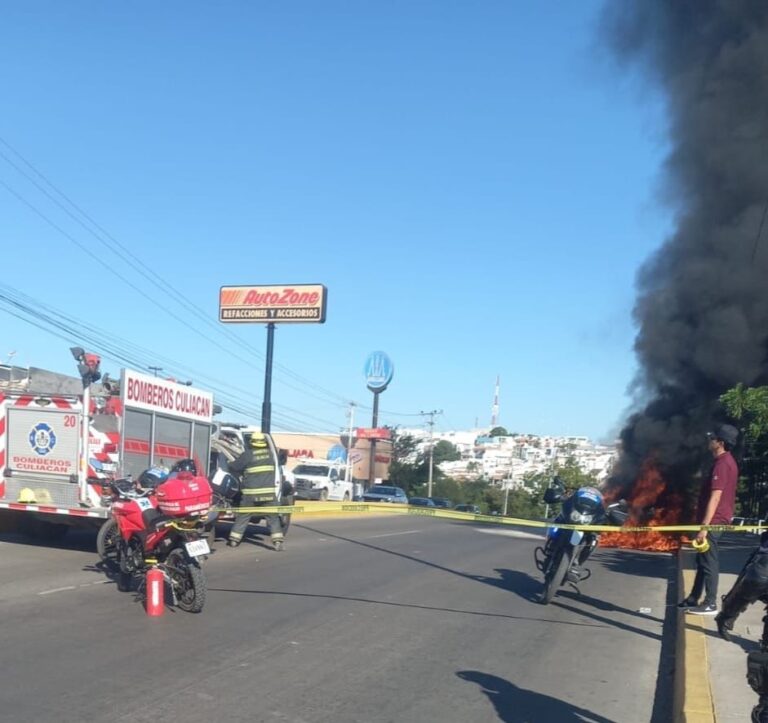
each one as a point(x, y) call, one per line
point(257, 469)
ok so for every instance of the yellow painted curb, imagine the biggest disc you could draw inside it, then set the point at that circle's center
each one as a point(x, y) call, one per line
point(692, 691)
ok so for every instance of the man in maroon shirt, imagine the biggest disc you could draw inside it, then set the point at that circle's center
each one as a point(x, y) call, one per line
point(716, 503)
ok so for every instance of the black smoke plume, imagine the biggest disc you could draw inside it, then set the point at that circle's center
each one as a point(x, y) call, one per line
point(702, 306)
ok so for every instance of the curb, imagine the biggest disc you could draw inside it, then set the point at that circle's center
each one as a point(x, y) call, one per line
point(692, 691)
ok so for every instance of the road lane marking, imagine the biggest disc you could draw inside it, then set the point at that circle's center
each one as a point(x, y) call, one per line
point(392, 534)
point(73, 587)
point(510, 533)
point(57, 589)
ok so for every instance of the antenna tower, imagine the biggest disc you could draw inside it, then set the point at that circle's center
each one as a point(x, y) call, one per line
point(495, 407)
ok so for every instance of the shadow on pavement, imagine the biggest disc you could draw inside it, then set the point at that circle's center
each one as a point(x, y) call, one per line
point(508, 580)
point(518, 705)
point(644, 564)
point(746, 644)
point(604, 605)
point(78, 540)
point(528, 587)
point(520, 583)
point(390, 603)
point(607, 622)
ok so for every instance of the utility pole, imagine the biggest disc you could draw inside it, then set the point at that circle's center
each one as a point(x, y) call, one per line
point(431, 414)
point(155, 369)
point(507, 482)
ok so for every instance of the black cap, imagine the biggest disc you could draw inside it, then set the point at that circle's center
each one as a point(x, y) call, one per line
point(726, 433)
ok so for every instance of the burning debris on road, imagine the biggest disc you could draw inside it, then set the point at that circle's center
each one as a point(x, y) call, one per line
point(702, 306)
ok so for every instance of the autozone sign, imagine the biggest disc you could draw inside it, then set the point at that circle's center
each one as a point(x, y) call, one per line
point(372, 433)
point(163, 396)
point(285, 304)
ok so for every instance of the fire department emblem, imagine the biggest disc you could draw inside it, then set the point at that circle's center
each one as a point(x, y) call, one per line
point(42, 439)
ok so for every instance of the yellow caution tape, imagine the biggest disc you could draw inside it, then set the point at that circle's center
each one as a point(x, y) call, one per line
point(702, 546)
point(397, 509)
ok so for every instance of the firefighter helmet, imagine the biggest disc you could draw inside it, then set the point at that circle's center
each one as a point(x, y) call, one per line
point(152, 477)
point(27, 496)
point(185, 465)
point(258, 440)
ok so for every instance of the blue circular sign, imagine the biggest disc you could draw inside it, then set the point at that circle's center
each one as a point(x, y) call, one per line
point(42, 438)
point(337, 452)
point(378, 371)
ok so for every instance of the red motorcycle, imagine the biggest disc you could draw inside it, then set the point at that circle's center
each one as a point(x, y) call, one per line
point(159, 523)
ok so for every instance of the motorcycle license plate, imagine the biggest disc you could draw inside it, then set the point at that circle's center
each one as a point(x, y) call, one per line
point(197, 548)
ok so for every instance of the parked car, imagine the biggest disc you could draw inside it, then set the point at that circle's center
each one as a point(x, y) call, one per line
point(421, 502)
point(385, 493)
point(443, 502)
point(472, 509)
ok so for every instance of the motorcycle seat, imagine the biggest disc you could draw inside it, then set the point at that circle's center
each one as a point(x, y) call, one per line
point(160, 521)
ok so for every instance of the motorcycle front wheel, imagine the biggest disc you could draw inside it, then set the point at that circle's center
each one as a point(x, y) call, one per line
point(107, 544)
point(554, 579)
point(188, 581)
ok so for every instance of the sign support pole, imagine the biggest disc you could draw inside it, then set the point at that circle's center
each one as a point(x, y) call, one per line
point(372, 442)
point(266, 405)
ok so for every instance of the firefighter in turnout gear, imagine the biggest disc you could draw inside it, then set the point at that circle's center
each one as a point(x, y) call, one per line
point(260, 486)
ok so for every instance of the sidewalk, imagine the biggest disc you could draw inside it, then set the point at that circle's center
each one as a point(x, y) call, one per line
point(710, 673)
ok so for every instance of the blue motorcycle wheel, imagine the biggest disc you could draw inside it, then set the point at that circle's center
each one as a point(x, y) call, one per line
point(555, 579)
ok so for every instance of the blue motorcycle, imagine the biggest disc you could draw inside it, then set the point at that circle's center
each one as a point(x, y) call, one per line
point(562, 558)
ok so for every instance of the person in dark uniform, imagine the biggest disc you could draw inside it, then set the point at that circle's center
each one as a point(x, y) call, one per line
point(259, 487)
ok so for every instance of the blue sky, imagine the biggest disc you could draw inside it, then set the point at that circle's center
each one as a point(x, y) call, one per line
point(475, 183)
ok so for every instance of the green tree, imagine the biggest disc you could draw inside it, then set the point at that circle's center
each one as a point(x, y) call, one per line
point(449, 488)
point(748, 406)
point(573, 476)
point(445, 451)
point(408, 467)
point(748, 409)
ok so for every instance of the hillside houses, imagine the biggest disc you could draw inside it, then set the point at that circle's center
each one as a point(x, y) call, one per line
point(511, 458)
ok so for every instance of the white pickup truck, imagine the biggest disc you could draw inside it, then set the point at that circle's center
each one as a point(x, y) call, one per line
point(321, 479)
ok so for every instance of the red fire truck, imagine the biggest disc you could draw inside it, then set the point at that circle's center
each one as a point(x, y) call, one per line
point(54, 458)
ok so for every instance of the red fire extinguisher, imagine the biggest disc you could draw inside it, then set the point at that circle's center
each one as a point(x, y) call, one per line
point(155, 592)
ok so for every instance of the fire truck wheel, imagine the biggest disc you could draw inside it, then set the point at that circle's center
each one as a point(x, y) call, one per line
point(324, 495)
point(106, 544)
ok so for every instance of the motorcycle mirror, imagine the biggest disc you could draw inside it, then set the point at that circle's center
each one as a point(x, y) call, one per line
point(552, 495)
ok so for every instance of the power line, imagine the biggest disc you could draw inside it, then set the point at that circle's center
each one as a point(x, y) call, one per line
point(112, 347)
point(140, 291)
point(112, 244)
point(106, 239)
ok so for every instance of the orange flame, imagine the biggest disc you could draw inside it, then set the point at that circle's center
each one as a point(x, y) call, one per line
point(649, 491)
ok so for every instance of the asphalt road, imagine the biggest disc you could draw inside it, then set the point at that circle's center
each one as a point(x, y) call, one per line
point(361, 619)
